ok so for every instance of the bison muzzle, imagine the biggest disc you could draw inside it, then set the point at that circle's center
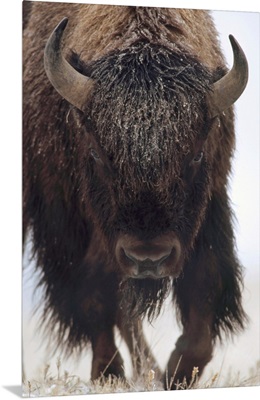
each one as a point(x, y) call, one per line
point(156, 258)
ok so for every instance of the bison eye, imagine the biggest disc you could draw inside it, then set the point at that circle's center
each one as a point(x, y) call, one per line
point(94, 154)
point(198, 157)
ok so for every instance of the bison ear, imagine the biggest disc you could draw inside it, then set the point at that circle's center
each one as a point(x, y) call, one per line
point(230, 87)
point(73, 86)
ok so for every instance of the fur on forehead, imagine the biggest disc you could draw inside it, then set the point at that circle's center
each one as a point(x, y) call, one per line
point(149, 108)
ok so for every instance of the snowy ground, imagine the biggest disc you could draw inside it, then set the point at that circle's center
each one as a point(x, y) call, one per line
point(236, 357)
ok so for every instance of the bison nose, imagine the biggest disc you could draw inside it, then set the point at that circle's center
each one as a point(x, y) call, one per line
point(144, 267)
point(155, 258)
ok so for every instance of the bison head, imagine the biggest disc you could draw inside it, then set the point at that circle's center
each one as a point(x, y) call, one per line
point(148, 112)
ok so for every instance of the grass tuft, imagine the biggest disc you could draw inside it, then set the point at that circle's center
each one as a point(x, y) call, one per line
point(63, 383)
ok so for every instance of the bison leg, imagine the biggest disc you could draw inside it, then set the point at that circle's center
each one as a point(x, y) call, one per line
point(193, 350)
point(142, 358)
point(106, 358)
point(208, 295)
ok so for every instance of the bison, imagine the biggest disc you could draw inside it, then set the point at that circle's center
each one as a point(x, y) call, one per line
point(128, 136)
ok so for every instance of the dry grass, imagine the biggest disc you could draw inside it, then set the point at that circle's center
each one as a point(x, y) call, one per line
point(64, 383)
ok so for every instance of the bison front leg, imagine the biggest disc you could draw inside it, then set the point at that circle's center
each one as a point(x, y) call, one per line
point(141, 356)
point(193, 350)
point(103, 302)
point(208, 294)
point(106, 358)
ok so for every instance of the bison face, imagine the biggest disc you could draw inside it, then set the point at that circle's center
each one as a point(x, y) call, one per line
point(147, 111)
point(149, 214)
point(151, 126)
point(157, 225)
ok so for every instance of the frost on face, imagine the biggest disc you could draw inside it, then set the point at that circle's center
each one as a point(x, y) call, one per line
point(148, 109)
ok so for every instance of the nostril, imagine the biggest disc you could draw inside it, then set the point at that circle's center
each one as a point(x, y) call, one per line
point(130, 258)
point(130, 262)
point(164, 258)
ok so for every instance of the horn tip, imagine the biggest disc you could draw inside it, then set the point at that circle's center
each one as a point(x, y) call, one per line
point(62, 25)
point(233, 41)
point(240, 55)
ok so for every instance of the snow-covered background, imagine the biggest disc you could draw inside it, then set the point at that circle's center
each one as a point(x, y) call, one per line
point(244, 193)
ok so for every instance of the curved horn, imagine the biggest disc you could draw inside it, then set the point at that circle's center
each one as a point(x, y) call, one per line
point(230, 87)
point(73, 86)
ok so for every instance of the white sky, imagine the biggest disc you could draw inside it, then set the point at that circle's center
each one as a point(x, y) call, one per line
point(245, 182)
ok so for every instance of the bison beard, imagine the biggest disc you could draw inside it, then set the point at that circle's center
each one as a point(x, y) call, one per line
point(143, 297)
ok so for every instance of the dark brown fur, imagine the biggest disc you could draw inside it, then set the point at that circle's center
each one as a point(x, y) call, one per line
point(147, 120)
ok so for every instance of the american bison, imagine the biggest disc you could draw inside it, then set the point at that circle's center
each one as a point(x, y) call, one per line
point(128, 135)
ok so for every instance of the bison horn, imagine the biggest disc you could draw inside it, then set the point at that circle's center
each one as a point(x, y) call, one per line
point(230, 87)
point(73, 86)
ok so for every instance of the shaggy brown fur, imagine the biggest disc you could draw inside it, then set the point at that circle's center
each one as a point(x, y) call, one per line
point(132, 165)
